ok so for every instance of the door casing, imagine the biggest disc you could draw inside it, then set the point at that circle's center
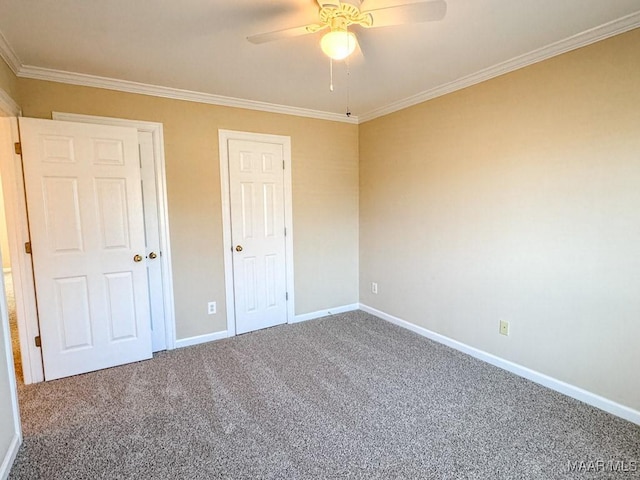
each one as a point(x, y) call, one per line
point(21, 267)
point(9, 111)
point(223, 137)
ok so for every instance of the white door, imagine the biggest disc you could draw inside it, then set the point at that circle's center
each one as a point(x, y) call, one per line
point(87, 234)
point(152, 199)
point(152, 240)
point(256, 188)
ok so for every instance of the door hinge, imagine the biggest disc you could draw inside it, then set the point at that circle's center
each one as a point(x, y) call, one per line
point(286, 296)
point(38, 341)
point(18, 148)
point(27, 247)
point(283, 164)
point(285, 232)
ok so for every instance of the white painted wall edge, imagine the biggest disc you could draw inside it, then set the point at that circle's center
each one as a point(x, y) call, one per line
point(585, 396)
point(325, 313)
point(10, 456)
point(197, 340)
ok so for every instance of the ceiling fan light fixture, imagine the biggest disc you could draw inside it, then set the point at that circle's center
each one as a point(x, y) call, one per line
point(338, 44)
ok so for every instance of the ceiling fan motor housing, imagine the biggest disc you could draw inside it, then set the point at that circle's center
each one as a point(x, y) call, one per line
point(343, 16)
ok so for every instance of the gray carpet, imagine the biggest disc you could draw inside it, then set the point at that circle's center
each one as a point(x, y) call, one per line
point(348, 396)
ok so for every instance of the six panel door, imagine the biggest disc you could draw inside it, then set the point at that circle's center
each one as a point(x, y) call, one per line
point(87, 233)
point(256, 184)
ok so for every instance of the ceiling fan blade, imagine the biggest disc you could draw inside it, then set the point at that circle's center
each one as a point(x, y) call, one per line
point(286, 33)
point(410, 13)
point(329, 3)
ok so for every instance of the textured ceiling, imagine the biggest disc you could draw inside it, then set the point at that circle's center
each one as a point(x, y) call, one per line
point(201, 46)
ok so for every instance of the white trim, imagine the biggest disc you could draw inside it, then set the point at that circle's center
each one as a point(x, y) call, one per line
point(9, 55)
point(574, 42)
point(38, 73)
point(325, 313)
point(578, 393)
point(21, 266)
point(8, 107)
point(197, 340)
point(10, 457)
point(156, 130)
point(223, 137)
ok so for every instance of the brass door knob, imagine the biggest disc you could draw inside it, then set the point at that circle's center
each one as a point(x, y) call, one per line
point(239, 248)
point(137, 258)
point(153, 255)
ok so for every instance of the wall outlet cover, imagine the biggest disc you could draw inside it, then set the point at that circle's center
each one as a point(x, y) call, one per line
point(211, 308)
point(504, 327)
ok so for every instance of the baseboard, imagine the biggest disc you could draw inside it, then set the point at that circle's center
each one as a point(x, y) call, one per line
point(325, 313)
point(585, 396)
point(7, 462)
point(210, 337)
point(197, 340)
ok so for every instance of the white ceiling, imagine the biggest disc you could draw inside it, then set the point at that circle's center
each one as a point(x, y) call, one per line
point(201, 46)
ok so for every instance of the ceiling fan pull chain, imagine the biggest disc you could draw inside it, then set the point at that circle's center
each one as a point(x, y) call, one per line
point(348, 113)
point(331, 74)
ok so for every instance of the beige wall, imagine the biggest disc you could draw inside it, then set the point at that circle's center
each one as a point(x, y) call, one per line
point(517, 199)
point(325, 194)
point(8, 81)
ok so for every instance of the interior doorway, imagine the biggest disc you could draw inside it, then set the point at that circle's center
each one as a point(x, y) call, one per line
point(16, 268)
point(8, 285)
point(13, 324)
point(255, 175)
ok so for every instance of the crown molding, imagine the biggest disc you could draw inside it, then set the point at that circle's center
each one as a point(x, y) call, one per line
point(81, 79)
point(9, 56)
point(574, 42)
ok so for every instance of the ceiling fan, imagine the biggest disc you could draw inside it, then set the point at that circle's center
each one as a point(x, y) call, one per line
point(339, 15)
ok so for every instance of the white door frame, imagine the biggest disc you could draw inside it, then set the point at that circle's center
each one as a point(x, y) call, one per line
point(21, 266)
point(156, 130)
point(8, 108)
point(223, 137)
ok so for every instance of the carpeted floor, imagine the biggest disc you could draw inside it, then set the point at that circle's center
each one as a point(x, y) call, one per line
point(13, 326)
point(348, 396)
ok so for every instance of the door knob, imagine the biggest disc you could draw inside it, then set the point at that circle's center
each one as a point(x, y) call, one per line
point(239, 248)
point(153, 255)
point(137, 258)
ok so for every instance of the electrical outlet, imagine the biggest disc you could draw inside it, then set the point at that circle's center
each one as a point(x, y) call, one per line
point(211, 308)
point(504, 327)
point(374, 287)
